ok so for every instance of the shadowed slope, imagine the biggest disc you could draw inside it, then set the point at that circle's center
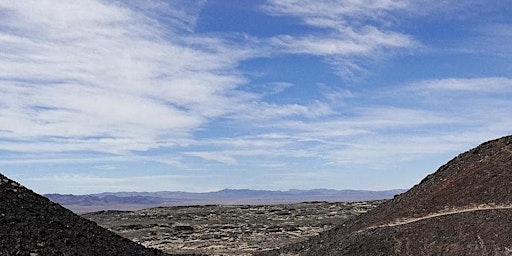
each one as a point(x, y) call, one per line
point(33, 225)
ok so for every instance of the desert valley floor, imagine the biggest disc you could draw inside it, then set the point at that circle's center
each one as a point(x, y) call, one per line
point(228, 230)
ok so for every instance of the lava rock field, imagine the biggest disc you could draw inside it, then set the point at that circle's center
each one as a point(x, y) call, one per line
point(228, 230)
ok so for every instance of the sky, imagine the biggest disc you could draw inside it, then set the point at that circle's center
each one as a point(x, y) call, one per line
point(199, 96)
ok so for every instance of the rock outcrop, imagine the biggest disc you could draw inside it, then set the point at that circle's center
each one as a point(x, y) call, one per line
point(31, 224)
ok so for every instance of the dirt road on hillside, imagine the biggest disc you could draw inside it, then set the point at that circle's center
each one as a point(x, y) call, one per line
point(405, 221)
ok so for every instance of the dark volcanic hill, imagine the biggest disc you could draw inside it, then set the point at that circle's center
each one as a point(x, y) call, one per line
point(464, 208)
point(33, 225)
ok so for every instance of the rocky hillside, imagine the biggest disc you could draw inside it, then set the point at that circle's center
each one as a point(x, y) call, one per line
point(33, 225)
point(464, 208)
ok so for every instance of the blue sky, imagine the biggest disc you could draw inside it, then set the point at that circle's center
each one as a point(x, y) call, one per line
point(204, 95)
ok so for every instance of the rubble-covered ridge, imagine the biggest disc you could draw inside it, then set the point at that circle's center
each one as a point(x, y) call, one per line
point(33, 225)
point(228, 230)
point(464, 208)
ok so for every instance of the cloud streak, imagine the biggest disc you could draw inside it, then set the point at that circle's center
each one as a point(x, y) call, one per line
point(99, 76)
point(72, 182)
point(118, 88)
point(497, 85)
point(345, 42)
point(451, 115)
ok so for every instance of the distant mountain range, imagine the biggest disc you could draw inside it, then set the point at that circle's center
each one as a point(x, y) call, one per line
point(139, 200)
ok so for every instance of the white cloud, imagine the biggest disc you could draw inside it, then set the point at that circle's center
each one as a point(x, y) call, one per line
point(366, 42)
point(263, 111)
point(482, 85)
point(355, 139)
point(332, 9)
point(87, 183)
point(384, 131)
point(135, 83)
point(108, 167)
point(221, 157)
point(492, 39)
point(100, 76)
point(345, 41)
point(278, 87)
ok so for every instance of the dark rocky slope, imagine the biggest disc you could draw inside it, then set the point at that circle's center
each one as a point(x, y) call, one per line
point(464, 208)
point(31, 224)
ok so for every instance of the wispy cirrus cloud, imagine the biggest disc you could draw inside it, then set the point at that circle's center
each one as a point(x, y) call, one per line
point(450, 115)
point(72, 182)
point(356, 140)
point(335, 11)
point(351, 36)
point(342, 38)
point(102, 76)
point(484, 85)
point(490, 39)
point(98, 85)
point(93, 76)
point(364, 43)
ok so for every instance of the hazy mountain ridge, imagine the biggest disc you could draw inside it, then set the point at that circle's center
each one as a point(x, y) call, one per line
point(139, 200)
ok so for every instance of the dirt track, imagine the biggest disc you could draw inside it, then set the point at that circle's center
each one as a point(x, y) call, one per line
point(404, 221)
